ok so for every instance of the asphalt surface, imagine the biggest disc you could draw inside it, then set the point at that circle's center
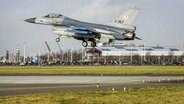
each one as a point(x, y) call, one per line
point(16, 85)
point(80, 79)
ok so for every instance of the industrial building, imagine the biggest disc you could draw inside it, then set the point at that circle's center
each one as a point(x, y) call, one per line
point(120, 53)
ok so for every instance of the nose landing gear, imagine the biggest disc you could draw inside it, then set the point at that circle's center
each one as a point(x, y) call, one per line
point(58, 39)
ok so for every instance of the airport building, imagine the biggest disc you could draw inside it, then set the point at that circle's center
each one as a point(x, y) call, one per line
point(120, 53)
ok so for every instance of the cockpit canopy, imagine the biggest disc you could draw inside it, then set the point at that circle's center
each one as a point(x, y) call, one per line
point(53, 15)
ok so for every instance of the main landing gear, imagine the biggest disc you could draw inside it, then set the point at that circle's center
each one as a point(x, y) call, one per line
point(85, 44)
point(93, 44)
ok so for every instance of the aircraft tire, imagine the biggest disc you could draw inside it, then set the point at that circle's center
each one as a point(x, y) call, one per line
point(93, 44)
point(57, 39)
point(84, 43)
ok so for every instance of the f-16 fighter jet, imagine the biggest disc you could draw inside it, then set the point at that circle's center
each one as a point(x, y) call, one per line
point(119, 29)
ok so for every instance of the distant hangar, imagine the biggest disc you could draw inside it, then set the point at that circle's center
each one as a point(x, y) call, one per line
point(120, 50)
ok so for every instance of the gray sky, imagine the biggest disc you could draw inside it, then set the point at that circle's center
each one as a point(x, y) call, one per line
point(160, 21)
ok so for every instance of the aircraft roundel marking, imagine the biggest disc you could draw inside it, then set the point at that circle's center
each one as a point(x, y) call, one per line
point(126, 17)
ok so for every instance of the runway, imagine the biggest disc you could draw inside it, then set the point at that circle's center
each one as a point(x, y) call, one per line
point(79, 79)
point(15, 85)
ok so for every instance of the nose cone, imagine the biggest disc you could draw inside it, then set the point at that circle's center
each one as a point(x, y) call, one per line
point(30, 20)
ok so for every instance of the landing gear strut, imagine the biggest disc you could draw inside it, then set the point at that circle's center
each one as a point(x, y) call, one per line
point(84, 43)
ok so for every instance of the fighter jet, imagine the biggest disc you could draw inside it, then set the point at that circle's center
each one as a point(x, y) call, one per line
point(120, 29)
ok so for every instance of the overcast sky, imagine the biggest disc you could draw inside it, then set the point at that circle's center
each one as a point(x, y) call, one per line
point(159, 22)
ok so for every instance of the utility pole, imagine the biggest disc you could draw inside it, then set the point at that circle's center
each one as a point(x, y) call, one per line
point(39, 57)
point(82, 54)
point(131, 54)
point(24, 52)
point(18, 54)
point(93, 55)
point(144, 52)
point(71, 54)
point(63, 55)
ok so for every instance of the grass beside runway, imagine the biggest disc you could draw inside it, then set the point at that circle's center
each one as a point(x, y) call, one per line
point(162, 95)
point(91, 70)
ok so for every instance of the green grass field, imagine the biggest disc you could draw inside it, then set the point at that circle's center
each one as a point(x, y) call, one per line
point(92, 70)
point(173, 95)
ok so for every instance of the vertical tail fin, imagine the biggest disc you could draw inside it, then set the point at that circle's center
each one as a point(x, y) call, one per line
point(127, 17)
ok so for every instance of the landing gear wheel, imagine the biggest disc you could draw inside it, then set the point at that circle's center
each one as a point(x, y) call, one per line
point(93, 44)
point(84, 44)
point(57, 39)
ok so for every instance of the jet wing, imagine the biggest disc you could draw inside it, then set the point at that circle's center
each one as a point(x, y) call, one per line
point(104, 36)
point(100, 37)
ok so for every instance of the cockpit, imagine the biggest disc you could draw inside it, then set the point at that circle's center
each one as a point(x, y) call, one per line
point(53, 15)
